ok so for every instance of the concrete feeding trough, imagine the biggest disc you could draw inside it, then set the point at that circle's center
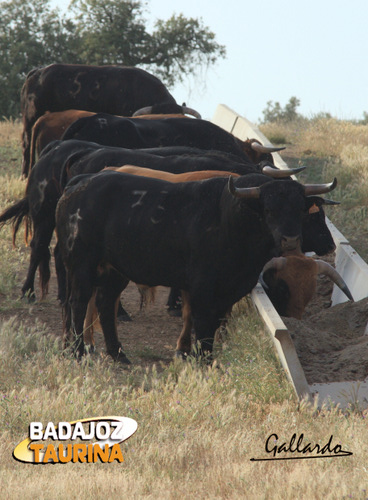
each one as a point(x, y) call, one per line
point(348, 263)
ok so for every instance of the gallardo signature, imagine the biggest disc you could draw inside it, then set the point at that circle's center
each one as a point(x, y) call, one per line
point(300, 448)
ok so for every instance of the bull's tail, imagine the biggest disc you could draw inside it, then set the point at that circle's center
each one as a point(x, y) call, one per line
point(66, 315)
point(32, 147)
point(15, 215)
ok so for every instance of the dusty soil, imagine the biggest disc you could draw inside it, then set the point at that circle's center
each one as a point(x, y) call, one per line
point(149, 338)
point(330, 342)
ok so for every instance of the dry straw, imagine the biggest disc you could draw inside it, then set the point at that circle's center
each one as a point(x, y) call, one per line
point(198, 426)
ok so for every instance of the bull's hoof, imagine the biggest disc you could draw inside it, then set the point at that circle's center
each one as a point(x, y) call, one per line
point(175, 312)
point(77, 354)
point(61, 299)
point(124, 317)
point(121, 358)
point(90, 349)
point(181, 355)
point(29, 296)
point(202, 357)
point(206, 359)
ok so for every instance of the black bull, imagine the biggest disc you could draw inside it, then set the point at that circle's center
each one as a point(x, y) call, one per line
point(208, 238)
point(110, 89)
point(63, 159)
point(112, 130)
point(71, 158)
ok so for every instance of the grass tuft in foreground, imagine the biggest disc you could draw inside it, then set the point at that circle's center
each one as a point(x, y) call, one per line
point(198, 426)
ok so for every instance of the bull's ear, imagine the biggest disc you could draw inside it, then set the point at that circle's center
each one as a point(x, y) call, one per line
point(314, 203)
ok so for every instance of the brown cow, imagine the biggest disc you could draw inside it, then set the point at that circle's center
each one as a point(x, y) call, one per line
point(291, 281)
point(50, 127)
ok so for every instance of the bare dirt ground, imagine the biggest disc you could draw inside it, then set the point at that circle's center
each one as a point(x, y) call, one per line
point(149, 338)
point(330, 342)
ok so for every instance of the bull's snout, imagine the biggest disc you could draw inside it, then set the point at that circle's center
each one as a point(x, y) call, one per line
point(290, 243)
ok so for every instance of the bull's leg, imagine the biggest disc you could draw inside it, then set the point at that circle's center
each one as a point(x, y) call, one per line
point(26, 139)
point(60, 274)
point(28, 286)
point(174, 302)
point(107, 300)
point(40, 257)
point(206, 320)
point(205, 329)
point(184, 343)
point(90, 322)
point(81, 293)
point(122, 314)
point(221, 332)
point(44, 271)
point(67, 318)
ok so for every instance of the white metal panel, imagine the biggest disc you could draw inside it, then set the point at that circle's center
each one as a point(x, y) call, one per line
point(348, 263)
point(225, 118)
point(282, 341)
point(346, 394)
point(354, 271)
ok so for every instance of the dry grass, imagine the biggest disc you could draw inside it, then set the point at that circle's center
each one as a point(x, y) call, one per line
point(198, 427)
point(320, 137)
point(333, 148)
point(10, 151)
point(10, 132)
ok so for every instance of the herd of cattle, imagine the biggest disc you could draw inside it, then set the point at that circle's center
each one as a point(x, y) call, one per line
point(158, 198)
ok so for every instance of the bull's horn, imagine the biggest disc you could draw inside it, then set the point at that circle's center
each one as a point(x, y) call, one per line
point(265, 149)
point(329, 271)
point(277, 263)
point(244, 193)
point(190, 111)
point(330, 202)
point(314, 189)
point(143, 111)
point(281, 173)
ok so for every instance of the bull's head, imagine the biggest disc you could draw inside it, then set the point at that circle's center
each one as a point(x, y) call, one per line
point(316, 234)
point(290, 282)
point(284, 205)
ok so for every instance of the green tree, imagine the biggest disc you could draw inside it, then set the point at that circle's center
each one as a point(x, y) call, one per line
point(181, 46)
point(97, 32)
point(274, 112)
point(364, 120)
point(31, 34)
point(111, 31)
point(114, 32)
